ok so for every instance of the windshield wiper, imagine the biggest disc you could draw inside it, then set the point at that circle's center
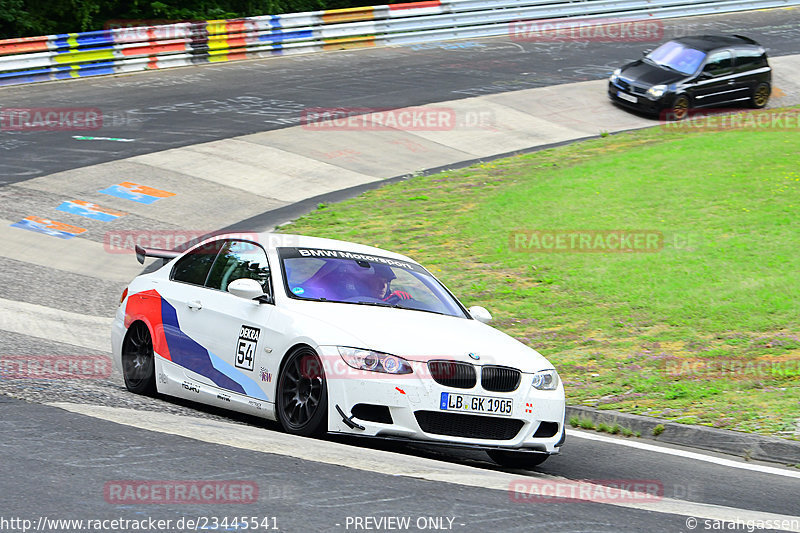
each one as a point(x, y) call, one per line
point(426, 311)
point(673, 69)
point(398, 306)
point(663, 65)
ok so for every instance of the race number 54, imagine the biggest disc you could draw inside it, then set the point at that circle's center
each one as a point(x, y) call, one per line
point(246, 347)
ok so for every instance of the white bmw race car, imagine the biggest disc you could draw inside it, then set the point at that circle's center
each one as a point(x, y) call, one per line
point(330, 336)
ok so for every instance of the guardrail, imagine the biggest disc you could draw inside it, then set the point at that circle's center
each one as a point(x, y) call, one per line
point(123, 50)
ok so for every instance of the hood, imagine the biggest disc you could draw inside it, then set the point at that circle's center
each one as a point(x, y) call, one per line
point(420, 336)
point(643, 73)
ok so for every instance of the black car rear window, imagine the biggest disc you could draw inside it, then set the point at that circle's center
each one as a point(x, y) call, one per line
point(750, 57)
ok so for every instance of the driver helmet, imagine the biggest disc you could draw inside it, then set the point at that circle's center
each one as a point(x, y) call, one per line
point(380, 280)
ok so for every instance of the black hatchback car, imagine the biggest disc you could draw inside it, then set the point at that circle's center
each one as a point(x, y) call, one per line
point(694, 72)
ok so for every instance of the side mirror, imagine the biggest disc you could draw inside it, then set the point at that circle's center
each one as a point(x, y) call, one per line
point(480, 314)
point(249, 289)
point(646, 51)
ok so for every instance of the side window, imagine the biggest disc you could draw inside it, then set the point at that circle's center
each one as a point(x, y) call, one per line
point(194, 266)
point(719, 62)
point(750, 58)
point(239, 259)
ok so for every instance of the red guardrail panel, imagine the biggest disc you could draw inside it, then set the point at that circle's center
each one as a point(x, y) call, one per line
point(24, 45)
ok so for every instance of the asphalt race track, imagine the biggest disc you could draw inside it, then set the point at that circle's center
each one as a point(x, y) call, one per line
point(181, 107)
point(67, 444)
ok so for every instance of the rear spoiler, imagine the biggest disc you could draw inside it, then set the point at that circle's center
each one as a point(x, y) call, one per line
point(746, 39)
point(166, 255)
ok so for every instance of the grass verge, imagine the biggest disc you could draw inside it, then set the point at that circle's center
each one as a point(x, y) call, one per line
point(702, 330)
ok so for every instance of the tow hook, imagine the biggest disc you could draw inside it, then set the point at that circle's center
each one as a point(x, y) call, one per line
point(349, 421)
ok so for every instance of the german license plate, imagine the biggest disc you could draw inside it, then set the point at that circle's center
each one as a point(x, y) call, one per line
point(629, 98)
point(481, 405)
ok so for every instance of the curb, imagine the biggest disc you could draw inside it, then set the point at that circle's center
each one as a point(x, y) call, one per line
point(744, 445)
point(270, 220)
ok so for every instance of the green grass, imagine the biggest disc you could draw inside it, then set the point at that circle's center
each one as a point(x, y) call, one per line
point(723, 287)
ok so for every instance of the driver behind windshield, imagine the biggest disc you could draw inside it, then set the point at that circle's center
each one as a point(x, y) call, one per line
point(379, 285)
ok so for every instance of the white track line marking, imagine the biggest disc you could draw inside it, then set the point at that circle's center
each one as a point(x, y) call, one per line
point(685, 454)
point(320, 451)
point(85, 331)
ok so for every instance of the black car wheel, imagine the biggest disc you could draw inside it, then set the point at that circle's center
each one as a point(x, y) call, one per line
point(760, 96)
point(680, 107)
point(517, 459)
point(303, 394)
point(138, 364)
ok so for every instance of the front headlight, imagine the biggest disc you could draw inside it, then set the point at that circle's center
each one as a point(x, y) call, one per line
point(656, 91)
point(614, 75)
point(374, 361)
point(545, 380)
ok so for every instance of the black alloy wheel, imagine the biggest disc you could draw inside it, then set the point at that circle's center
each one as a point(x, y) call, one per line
point(138, 364)
point(760, 96)
point(302, 397)
point(680, 107)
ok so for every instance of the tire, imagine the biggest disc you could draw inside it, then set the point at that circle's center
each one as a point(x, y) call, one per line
point(760, 96)
point(302, 398)
point(517, 459)
point(680, 108)
point(138, 362)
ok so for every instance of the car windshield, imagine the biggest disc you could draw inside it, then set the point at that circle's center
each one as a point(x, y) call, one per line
point(355, 278)
point(678, 57)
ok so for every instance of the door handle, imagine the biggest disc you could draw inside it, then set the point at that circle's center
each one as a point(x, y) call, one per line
point(194, 304)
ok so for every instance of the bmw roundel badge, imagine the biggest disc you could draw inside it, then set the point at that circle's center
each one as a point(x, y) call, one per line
point(474, 356)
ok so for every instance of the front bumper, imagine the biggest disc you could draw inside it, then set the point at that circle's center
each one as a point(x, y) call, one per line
point(625, 97)
point(413, 401)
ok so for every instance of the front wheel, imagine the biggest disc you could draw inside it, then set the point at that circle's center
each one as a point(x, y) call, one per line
point(302, 398)
point(680, 107)
point(138, 364)
point(760, 96)
point(517, 459)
